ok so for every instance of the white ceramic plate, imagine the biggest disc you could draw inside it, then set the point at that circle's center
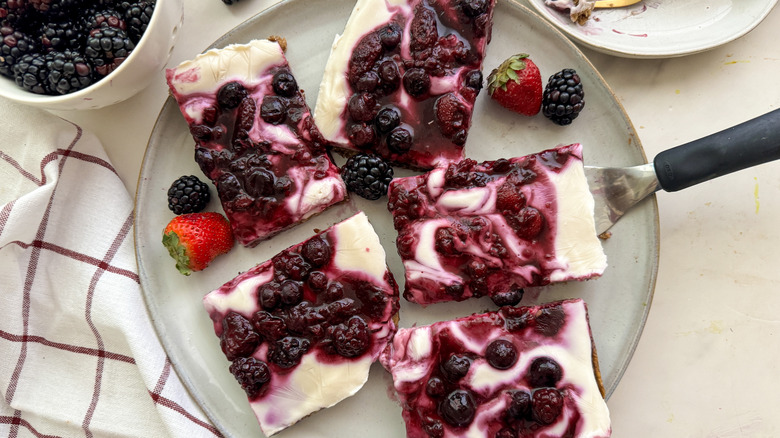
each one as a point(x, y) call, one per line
point(662, 28)
point(618, 301)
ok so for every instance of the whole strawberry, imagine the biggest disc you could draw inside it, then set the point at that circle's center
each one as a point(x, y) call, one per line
point(517, 85)
point(195, 239)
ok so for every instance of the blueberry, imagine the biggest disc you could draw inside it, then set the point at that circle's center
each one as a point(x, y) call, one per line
point(399, 140)
point(316, 251)
point(509, 298)
point(416, 82)
point(230, 95)
point(284, 83)
point(458, 408)
point(520, 405)
point(435, 387)
point(386, 119)
point(390, 36)
point(291, 292)
point(273, 109)
point(501, 354)
point(456, 367)
point(544, 372)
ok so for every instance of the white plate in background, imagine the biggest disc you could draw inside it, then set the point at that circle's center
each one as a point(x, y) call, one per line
point(662, 28)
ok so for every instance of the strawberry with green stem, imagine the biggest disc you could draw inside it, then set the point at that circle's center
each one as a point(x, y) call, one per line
point(195, 239)
point(516, 84)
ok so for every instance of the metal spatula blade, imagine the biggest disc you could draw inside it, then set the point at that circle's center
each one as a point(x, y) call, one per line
point(617, 189)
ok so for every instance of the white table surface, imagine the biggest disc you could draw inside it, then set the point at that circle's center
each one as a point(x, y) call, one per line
point(706, 363)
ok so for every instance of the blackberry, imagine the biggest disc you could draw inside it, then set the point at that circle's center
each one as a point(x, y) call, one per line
point(69, 71)
point(367, 176)
point(188, 194)
point(56, 8)
point(229, 2)
point(107, 48)
point(95, 18)
point(31, 73)
point(252, 374)
point(12, 10)
point(137, 16)
point(563, 97)
point(13, 45)
point(61, 35)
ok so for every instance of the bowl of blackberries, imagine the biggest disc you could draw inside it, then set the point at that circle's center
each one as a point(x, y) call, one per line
point(83, 54)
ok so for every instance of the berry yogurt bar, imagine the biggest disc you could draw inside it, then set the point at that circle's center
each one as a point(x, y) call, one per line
point(518, 372)
point(490, 229)
point(402, 79)
point(301, 330)
point(255, 138)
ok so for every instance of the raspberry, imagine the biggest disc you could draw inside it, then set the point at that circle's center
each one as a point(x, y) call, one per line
point(252, 374)
point(188, 194)
point(564, 97)
point(423, 32)
point(367, 176)
point(527, 223)
point(547, 404)
point(238, 336)
point(366, 53)
point(452, 117)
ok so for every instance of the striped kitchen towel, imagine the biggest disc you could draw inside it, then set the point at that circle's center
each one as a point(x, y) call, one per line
point(78, 353)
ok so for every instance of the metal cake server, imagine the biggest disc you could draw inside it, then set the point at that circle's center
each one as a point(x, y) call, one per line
point(617, 189)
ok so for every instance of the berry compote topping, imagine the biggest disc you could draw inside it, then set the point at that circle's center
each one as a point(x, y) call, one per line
point(423, 62)
point(327, 304)
point(482, 375)
point(255, 138)
point(473, 229)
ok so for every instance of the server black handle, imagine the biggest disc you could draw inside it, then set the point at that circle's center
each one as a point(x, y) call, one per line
point(748, 144)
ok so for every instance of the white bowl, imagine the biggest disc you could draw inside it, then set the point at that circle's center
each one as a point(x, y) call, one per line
point(134, 74)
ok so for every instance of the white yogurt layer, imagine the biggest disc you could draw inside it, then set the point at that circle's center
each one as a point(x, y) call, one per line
point(312, 385)
point(195, 84)
point(577, 252)
point(412, 356)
